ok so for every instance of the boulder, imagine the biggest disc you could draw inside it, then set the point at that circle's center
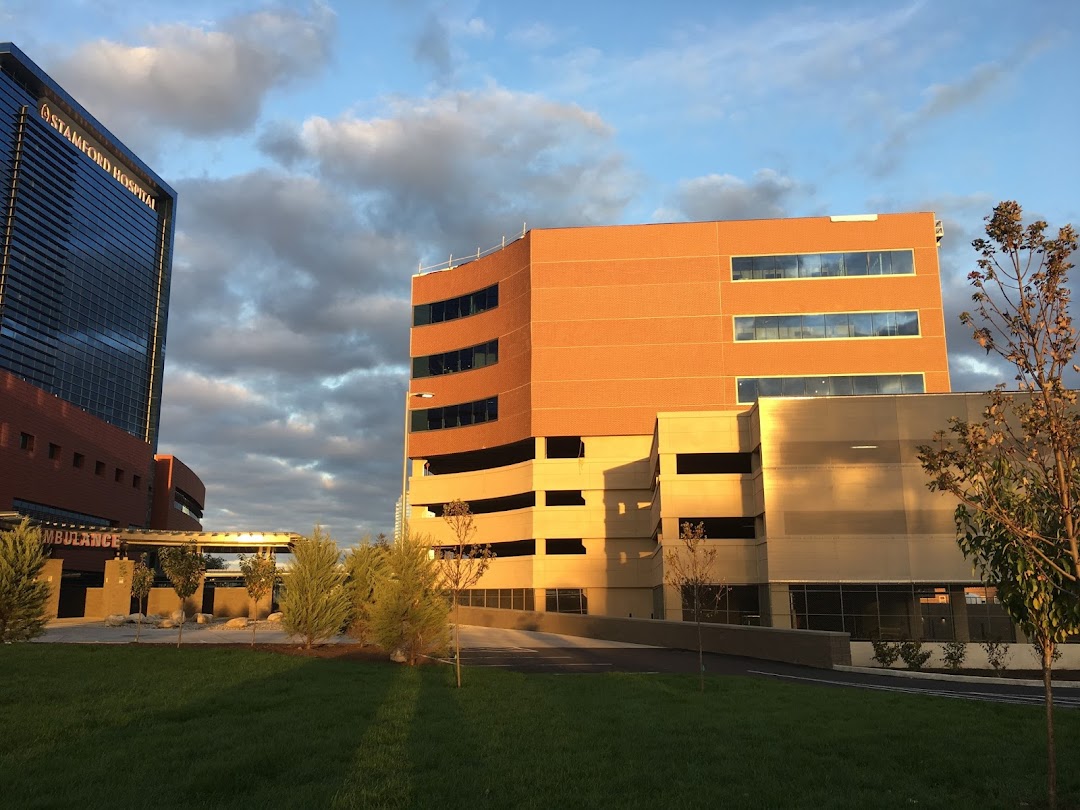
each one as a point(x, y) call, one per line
point(238, 623)
point(166, 624)
point(115, 620)
point(135, 617)
point(177, 616)
point(275, 617)
point(204, 618)
point(398, 657)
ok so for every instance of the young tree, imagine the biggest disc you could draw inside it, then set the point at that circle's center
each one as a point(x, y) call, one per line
point(461, 565)
point(22, 595)
point(142, 580)
point(260, 574)
point(689, 569)
point(366, 565)
point(409, 611)
point(184, 566)
point(1014, 471)
point(316, 603)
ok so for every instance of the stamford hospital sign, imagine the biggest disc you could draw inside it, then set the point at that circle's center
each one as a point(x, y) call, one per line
point(93, 150)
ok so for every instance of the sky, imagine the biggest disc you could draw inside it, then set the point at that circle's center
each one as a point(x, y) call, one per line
point(322, 152)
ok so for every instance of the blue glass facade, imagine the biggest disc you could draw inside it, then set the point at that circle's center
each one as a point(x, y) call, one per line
point(86, 234)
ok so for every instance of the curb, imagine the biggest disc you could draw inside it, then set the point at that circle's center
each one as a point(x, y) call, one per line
point(941, 676)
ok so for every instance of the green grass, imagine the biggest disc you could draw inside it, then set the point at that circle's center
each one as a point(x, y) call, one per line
point(128, 726)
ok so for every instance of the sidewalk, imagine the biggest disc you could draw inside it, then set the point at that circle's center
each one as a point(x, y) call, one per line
point(94, 631)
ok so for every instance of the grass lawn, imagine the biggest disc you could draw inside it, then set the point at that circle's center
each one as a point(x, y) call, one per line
point(151, 726)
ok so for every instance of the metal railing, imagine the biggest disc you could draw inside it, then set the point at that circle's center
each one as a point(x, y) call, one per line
point(457, 261)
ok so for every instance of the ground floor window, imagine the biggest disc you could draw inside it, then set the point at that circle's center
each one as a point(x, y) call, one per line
point(724, 604)
point(930, 612)
point(504, 598)
point(567, 600)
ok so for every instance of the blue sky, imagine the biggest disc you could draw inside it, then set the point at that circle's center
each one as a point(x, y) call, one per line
point(323, 150)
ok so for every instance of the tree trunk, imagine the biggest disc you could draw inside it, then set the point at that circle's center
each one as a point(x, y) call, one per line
point(183, 616)
point(700, 651)
point(457, 639)
point(1051, 750)
point(138, 629)
point(255, 619)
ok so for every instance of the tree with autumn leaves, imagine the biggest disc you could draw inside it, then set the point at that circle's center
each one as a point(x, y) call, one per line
point(1015, 471)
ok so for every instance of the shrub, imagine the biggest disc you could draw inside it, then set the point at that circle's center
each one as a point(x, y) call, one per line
point(997, 654)
point(1036, 650)
point(409, 611)
point(366, 565)
point(912, 654)
point(885, 652)
point(22, 596)
point(954, 653)
point(315, 604)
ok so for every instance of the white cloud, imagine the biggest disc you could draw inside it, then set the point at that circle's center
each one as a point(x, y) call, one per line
point(197, 81)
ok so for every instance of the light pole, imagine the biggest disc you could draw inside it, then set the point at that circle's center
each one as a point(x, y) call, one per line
point(405, 454)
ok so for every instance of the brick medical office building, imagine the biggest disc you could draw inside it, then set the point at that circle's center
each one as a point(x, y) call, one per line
point(86, 237)
point(593, 388)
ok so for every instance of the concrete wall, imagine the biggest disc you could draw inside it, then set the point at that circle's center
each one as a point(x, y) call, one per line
point(806, 647)
point(163, 601)
point(233, 602)
point(51, 574)
point(1020, 656)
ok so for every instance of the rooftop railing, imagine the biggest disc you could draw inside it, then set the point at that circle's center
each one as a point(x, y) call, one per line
point(457, 261)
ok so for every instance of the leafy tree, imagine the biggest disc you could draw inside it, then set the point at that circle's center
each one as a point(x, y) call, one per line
point(260, 574)
point(316, 604)
point(366, 565)
point(22, 596)
point(214, 563)
point(1014, 471)
point(461, 565)
point(689, 569)
point(185, 567)
point(142, 580)
point(409, 611)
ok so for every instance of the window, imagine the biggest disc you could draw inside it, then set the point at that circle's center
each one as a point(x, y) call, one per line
point(483, 506)
point(99, 468)
point(724, 528)
point(823, 265)
point(454, 308)
point(724, 604)
point(136, 482)
point(565, 447)
point(827, 325)
point(451, 416)
point(484, 354)
point(712, 463)
point(567, 600)
point(54, 451)
point(750, 388)
point(565, 497)
point(504, 598)
point(77, 460)
point(26, 442)
point(560, 545)
point(118, 475)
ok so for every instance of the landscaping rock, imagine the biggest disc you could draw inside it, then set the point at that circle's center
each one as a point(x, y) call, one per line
point(204, 618)
point(238, 623)
point(135, 617)
point(398, 657)
point(177, 616)
point(166, 624)
point(275, 617)
point(116, 620)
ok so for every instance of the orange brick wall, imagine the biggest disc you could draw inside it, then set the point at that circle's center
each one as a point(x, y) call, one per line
point(33, 476)
point(170, 473)
point(600, 328)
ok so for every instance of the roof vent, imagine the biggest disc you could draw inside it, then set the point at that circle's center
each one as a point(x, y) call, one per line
point(855, 218)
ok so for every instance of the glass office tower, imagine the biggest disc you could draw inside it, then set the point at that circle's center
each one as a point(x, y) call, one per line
point(86, 232)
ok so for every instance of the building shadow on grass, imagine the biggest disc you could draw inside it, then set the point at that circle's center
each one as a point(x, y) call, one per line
point(221, 728)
